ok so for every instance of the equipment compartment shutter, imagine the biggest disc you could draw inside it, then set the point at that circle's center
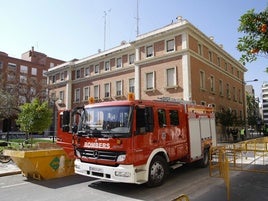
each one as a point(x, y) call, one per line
point(195, 138)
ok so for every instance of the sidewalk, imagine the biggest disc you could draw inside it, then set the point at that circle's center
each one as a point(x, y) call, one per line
point(9, 169)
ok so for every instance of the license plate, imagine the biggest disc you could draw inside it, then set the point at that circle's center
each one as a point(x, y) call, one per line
point(96, 169)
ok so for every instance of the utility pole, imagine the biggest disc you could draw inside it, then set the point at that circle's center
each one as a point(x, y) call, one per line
point(138, 19)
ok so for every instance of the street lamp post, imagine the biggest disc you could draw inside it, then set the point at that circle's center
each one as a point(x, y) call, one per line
point(255, 80)
point(54, 99)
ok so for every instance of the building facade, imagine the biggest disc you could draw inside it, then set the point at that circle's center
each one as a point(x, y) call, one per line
point(265, 103)
point(176, 61)
point(25, 78)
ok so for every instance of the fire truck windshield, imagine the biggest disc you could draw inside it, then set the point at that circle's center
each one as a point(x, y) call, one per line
point(111, 121)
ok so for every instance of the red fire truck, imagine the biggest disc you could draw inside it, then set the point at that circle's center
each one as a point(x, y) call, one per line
point(138, 141)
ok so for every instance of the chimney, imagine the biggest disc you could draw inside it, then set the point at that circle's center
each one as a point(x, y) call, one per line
point(179, 18)
point(123, 42)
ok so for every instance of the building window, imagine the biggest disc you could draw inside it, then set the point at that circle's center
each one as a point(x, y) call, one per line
point(119, 62)
point(86, 93)
point(212, 83)
point(107, 90)
point(12, 65)
point(149, 81)
point(87, 71)
point(171, 77)
point(202, 80)
point(44, 72)
point(131, 58)
point(234, 94)
point(228, 90)
point(53, 79)
point(218, 61)
point(24, 69)
point(34, 71)
point(199, 49)
point(1, 64)
point(44, 81)
point(52, 65)
point(11, 77)
point(78, 74)
point(96, 92)
point(149, 51)
point(238, 74)
point(32, 91)
point(131, 85)
point(210, 56)
point(61, 95)
point(107, 66)
point(22, 99)
point(23, 79)
point(220, 87)
point(226, 66)
point(62, 77)
point(77, 95)
point(119, 88)
point(170, 45)
point(97, 69)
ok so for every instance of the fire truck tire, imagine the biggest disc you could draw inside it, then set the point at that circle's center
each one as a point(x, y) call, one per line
point(204, 162)
point(158, 171)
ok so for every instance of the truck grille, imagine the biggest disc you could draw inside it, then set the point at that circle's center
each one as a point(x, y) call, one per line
point(100, 154)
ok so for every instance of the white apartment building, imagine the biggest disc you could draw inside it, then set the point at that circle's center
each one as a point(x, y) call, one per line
point(265, 102)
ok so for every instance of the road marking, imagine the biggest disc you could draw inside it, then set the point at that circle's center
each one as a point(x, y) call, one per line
point(13, 185)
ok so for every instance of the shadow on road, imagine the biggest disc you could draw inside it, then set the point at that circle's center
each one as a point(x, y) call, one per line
point(173, 187)
point(62, 182)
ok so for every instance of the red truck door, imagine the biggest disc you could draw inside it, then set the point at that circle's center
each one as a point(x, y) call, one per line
point(64, 135)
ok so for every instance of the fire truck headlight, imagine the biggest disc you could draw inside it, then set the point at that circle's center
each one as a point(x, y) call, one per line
point(121, 158)
point(77, 153)
point(122, 174)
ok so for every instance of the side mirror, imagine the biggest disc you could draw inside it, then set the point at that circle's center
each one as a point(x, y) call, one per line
point(65, 121)
point(74, 129)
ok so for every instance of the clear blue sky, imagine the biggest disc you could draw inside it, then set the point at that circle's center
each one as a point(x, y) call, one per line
point(68, 29)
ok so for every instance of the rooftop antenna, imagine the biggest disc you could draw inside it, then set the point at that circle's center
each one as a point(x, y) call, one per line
point(105, 14)
point(138, 18)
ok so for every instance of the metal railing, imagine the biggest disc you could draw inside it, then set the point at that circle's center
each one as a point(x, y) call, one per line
point(250, 156)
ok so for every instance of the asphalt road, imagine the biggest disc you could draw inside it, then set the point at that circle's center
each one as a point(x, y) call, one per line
point(192, 181)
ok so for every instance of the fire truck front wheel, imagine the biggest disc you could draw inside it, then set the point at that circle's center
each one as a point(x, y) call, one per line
point(204, 162)
point(158, 171)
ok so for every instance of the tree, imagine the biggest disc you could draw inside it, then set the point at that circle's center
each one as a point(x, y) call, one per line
point(255, 41)
point(8, 105)
point(35, 117)
point(227, 118)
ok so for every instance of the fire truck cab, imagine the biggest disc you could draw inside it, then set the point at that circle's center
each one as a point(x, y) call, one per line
point(137, 141)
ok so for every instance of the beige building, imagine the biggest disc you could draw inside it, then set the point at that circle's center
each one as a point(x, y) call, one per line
point(176, 61)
